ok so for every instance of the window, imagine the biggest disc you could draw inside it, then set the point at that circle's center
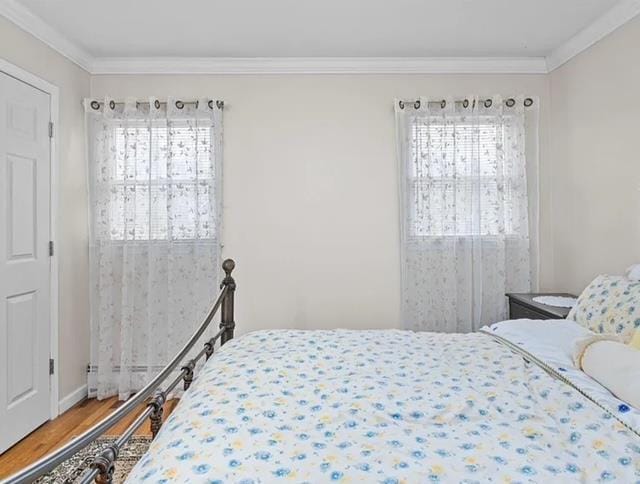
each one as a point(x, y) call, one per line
point(461, 177)
point(161, 181)
point(465, 209)
point(154, 249)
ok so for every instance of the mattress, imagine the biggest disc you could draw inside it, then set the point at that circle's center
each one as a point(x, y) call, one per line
point(394, 406)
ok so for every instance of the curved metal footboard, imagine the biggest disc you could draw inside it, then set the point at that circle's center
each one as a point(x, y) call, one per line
point(103, 465)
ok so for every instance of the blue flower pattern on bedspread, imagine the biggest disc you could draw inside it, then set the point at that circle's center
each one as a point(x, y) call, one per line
point(383, 406)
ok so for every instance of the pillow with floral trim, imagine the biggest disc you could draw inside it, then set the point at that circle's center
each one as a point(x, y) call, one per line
point(610, 304)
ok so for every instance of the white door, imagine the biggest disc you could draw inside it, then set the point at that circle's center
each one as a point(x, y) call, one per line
point(24, 259)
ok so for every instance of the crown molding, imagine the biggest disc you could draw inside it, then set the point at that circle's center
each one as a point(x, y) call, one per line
point(37, 27)
point(620, 14)
point(319, 65)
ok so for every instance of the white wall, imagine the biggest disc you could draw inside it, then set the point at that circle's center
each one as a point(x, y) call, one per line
point(596, 160)
point(30, 54)
point(310, 187)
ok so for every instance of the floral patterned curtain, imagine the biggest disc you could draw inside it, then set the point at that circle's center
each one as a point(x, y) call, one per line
point(154, 183)
point(467, 233)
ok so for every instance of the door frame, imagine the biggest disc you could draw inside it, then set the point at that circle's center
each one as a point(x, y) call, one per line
point(54, 100)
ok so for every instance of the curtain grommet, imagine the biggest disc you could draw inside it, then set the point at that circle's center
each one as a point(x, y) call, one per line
point(488, 103)
point(112, 104)
point(465, 103)
point(95, 105)
point(443, 104)
point(219, 104)
point(416, 105)
point(179, 104)
point(401, 104)
point(510, 102)
point(528, 102)
point(156, 104)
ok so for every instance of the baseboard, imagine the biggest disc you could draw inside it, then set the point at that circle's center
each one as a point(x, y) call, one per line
point(70, 400)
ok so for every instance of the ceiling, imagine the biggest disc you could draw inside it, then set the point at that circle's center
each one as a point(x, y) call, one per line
point(318, 28)
point(314, 29)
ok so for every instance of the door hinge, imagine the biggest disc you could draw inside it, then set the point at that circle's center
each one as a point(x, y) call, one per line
point(50, 129)
point(51, 248)
point(52, 366)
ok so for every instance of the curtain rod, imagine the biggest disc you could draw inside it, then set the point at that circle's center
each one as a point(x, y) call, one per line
point(179, 104)
point(510, 102)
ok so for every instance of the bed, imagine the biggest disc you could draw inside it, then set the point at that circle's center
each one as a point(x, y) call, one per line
point(510, 403)
point(502, 405)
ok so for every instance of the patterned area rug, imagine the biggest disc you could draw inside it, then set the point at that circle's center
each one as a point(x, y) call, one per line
point(68, 472)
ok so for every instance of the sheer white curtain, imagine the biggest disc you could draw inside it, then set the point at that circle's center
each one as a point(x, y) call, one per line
point(154, 195)
point(469, 217)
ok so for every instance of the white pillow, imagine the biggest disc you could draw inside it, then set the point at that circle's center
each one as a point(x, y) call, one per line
point(616, 366)
point(633, 272)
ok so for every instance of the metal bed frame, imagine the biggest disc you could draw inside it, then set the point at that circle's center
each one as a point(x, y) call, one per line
point(103, 465)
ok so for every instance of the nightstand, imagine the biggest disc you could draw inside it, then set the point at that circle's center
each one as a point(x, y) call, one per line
point(522, 306)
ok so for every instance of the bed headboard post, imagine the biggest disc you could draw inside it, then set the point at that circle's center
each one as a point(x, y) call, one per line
point(227, 320)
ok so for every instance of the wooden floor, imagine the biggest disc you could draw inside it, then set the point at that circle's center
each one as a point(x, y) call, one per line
point(57, 432)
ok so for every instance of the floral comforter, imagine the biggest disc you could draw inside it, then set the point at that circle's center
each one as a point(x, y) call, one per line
point(385, 406)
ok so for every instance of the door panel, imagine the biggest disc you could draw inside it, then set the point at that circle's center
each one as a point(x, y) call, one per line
point(21, 207)
point(21, 329)
point(24, 259)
